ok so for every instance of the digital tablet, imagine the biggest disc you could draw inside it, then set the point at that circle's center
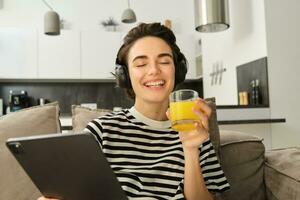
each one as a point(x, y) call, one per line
point(67, 166)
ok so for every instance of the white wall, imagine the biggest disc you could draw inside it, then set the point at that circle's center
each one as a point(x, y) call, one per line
point(283, 31)
point(244, 41)
point(259, 130)
point(87, 15)
point(81, 14)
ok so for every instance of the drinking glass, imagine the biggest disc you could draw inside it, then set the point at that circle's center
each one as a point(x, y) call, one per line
point(181, 110)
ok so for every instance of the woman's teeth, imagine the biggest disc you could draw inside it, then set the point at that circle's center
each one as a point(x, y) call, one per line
point(155, 84)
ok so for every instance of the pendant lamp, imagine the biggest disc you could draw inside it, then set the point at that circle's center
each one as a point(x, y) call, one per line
point(51, 21)
point(211, 15)
point(128, 15)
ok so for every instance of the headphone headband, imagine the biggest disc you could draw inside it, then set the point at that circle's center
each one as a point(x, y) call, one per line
point(122, 74)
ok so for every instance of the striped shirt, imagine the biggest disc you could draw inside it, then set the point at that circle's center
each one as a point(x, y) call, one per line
point(147, 156)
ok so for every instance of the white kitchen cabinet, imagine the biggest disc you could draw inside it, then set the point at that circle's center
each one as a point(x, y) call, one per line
point(99, 51)
point(188, 46)
point(18, 53)
point(59, 56)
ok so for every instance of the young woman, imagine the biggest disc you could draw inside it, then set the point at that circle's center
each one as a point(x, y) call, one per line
point(150, 160)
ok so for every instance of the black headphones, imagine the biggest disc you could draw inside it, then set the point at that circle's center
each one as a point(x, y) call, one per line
point(122, 74)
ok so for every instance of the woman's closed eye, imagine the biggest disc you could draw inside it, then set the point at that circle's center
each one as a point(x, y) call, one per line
point(141, 65)
point(165, 63)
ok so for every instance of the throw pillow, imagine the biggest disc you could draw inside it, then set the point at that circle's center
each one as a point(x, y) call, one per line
point(14, 182)
point(81, 116)
point(242, 159)
point(214, 133)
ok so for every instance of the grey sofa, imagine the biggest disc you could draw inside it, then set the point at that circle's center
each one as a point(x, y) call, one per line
point(252, 173)
point(255, 174)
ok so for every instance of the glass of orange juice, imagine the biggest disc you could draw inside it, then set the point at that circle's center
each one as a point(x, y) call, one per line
point(181, 110)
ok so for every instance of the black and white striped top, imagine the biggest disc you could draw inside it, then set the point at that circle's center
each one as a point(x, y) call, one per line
point(147, 156)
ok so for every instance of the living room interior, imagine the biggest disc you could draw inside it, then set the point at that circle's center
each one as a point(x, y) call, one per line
point(74, 69)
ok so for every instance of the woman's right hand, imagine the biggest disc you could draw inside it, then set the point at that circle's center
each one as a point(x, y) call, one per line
point(44, 198)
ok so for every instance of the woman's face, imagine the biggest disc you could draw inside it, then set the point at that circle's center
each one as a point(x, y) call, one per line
point(151, 69)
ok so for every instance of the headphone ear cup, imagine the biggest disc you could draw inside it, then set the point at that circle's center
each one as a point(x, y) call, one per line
point(122, 76)
point(181, 69)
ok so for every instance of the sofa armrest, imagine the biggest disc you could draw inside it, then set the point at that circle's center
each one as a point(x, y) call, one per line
point(242, 159)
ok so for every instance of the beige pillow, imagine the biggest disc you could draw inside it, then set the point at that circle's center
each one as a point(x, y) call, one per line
point(14, 182)
point(81, 116)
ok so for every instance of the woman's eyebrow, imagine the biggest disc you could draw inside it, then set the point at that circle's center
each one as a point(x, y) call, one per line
point(165, 54)
point(159, 56)
point(139, 57)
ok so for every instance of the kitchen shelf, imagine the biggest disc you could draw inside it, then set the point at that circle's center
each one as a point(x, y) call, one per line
point(230, 122)
point(251, 121)
point(241, 106)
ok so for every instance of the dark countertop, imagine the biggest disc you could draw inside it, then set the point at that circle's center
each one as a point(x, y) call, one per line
point(251, 121)
point(230, 122)
point(240, 106)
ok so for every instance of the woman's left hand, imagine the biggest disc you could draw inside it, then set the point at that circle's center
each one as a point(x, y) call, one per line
point(193, 139)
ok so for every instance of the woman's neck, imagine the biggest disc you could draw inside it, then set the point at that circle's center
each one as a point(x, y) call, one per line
point(155, 111)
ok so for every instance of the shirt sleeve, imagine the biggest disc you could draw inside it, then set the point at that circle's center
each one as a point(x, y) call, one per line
point(95, 128)
point(212, 172)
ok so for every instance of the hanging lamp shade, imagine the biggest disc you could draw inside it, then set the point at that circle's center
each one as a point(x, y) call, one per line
point(51, 23)
point(128, 16)
point(211, 15)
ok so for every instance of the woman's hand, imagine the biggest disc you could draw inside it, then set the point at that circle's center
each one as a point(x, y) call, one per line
point(193, 139)
point(44, 198)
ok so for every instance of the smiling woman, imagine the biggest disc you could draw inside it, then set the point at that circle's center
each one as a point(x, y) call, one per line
point(149, 158)
point(151, 71)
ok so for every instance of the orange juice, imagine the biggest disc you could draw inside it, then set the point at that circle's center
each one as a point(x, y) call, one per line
point(182, 115)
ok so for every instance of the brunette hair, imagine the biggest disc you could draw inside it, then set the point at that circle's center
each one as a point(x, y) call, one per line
point(140, 31)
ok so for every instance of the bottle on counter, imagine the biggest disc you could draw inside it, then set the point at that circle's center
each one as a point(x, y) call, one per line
point(8, 108)
point(258, 98)
point(253, 93)
point(243, 98)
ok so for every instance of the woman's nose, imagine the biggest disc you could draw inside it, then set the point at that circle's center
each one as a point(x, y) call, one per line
point(154, 68)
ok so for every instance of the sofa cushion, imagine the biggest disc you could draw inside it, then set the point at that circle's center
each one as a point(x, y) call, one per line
point(214, 133)
point(81, 116)
point(242, 159)
point(282, 173)
point(14, 182)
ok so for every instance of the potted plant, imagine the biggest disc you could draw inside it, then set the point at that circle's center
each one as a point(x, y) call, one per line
point(110, 24)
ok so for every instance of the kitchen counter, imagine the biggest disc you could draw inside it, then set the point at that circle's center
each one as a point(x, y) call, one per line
point(236, 114)
point(251, 121)
point(224, 118)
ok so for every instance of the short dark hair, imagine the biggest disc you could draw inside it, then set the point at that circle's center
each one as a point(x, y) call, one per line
point(156, 30)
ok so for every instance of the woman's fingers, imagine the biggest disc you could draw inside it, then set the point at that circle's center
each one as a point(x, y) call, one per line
point(203, 118)
point(203, 105)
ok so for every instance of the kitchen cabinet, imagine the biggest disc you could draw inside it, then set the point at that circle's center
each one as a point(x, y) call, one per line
point(87, 54)
point(59, 56)
point(99, 51)
point(188, 46)
point(18, 53)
